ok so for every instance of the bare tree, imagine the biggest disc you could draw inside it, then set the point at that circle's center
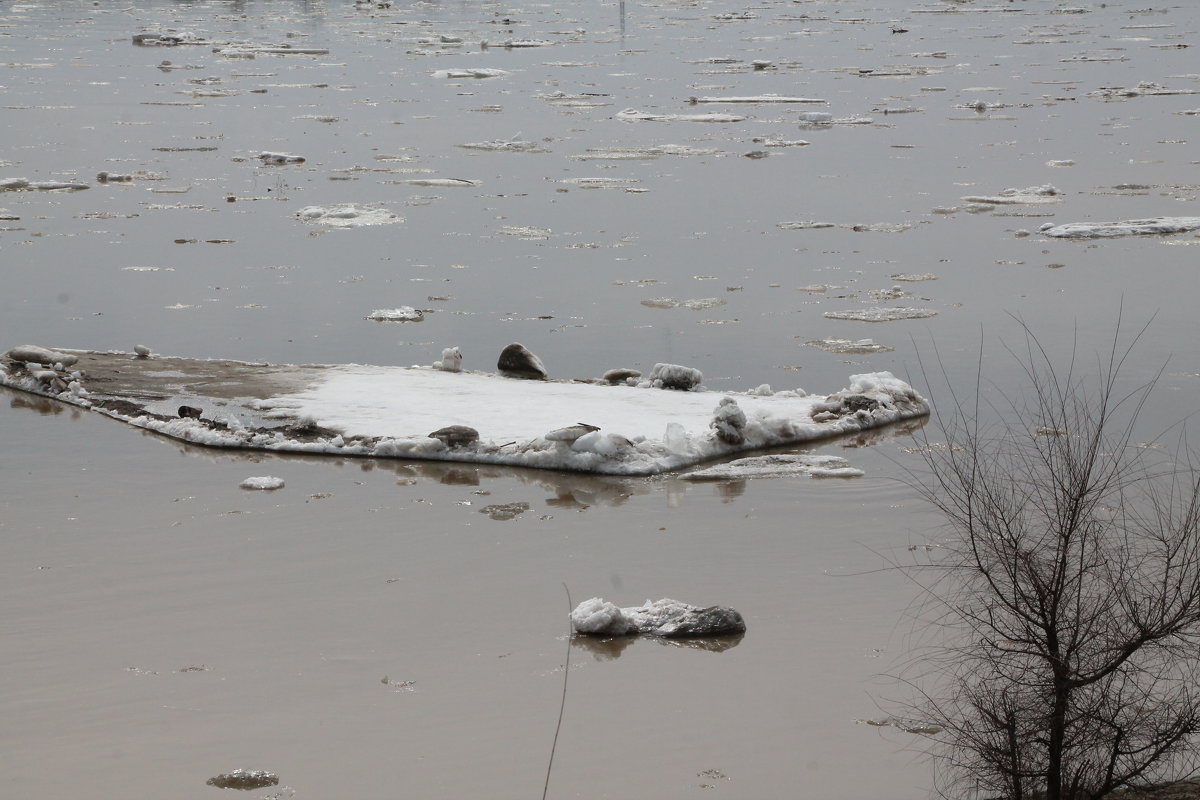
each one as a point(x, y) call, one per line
point(1068, 587)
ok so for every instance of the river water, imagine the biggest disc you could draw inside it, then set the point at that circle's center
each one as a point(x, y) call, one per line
point(373, 628)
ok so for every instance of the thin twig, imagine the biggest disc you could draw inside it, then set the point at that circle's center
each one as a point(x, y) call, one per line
point(562, 705)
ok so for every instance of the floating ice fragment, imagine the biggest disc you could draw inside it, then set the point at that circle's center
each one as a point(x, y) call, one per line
point(441, 182)
point(1033, 195)
point(759, 98)
point(877, 314)
point(470, 72)
point(1143, 89)
point(347, 216)
point(141, 351)
point(113, 177)
point(778, 466)
point(268, 157)
point(265, 483)
point(816, 117)
point(1133, 227)
point(401, 314)
point(803, 225)
point(633, 114)
point(666, 617)
point(244, 779)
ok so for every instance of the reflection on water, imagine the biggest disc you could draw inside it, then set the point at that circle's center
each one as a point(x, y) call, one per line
point(610, 648)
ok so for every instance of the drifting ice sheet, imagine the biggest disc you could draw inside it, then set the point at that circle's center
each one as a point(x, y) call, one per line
point(390, 411)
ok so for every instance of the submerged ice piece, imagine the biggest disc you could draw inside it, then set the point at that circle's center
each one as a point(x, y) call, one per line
point(667, 618)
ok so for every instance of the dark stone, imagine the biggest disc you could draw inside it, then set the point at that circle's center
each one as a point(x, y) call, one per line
point(456, 436)
point(189, 412)
point(517, 362)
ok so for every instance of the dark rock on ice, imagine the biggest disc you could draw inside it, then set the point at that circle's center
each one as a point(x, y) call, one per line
point(674, 376)
point(667, 618)
point(516, 361)
point(189, 412)
point(456, 436)
point(244, 779)
point(620, 375)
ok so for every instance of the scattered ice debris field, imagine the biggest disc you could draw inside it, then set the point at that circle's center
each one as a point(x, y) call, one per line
point(663, 423)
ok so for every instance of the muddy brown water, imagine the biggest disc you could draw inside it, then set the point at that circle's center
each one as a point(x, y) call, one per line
point(161, 625)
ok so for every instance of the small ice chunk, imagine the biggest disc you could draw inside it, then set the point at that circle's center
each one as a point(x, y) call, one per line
point(244, 779)
point(268, 157)
point(470, 72)
point(40, 355)
point(598, 617)
point(451, 360)
point(401, 314)
point(675, 376)
point(816, 117)
point(729, 421)
point(264, 482)
point(141, 351)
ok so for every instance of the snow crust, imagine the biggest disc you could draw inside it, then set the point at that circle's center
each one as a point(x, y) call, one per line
point(1132, 227)
point(389, 412)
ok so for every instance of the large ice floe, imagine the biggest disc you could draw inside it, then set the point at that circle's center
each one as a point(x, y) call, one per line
point(632, 427)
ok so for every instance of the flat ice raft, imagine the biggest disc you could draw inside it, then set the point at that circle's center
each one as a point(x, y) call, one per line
point(390, 412)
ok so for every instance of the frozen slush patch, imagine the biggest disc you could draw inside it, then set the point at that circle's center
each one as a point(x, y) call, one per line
point(698, 304)
point(346, 216)
point(263, 482)
point(778, 466)
point(1132, 227)
point(849, 346)
point(1033, 195)
point(401, 314)
point(877, 314)
point(643, 153)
